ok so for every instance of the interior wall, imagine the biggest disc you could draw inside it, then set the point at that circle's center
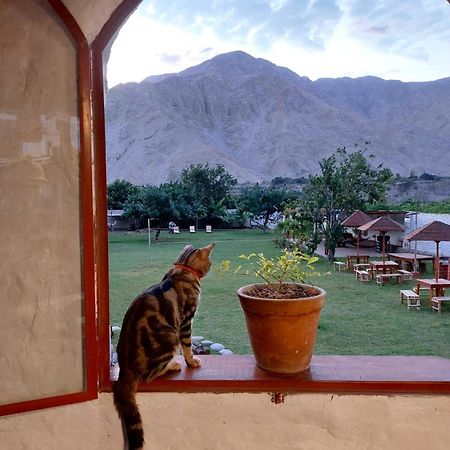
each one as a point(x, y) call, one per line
point(241, 422)
point(91, 15)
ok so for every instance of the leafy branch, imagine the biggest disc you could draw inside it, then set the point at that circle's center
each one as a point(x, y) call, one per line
point(290, 266)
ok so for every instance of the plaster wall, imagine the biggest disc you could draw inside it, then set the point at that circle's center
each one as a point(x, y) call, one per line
point(91, 15)
point(427, 247)
point(241, 421)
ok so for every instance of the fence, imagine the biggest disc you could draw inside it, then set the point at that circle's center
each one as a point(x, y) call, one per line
point(163, 236)
point(202, 236)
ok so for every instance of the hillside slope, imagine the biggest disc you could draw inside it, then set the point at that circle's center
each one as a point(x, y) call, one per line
point(262, 121)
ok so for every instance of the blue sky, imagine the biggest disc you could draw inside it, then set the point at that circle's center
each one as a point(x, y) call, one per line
point(408, 40)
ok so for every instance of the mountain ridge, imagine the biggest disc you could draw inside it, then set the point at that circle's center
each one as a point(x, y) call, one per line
point(262, 121)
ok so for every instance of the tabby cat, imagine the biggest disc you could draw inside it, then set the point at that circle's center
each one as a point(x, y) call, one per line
point(156, 325)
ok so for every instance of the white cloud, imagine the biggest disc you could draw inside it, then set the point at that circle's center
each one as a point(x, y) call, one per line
point(276, 5)
point(253, 32)
point(145, 47)
point(387, 38)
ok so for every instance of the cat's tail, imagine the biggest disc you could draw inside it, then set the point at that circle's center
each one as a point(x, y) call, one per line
point(124, 390)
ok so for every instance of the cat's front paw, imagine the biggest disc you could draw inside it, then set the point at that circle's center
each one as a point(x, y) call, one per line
point(194, 362)
point(174, 365)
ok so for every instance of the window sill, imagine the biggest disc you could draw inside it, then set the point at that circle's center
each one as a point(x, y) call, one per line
point(337, 374)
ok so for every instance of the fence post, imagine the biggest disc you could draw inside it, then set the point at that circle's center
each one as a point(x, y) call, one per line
point(149, 242)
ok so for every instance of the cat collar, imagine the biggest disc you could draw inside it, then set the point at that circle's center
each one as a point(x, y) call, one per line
point(194, 272)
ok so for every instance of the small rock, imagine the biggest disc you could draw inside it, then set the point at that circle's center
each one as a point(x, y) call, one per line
point(114, 372)
point(200, 350)
point(217, 347)
point(114, 359)
point(225, 352)
point(197, 339)
point(206, 343)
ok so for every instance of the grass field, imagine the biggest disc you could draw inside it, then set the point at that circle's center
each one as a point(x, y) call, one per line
point(358, 318)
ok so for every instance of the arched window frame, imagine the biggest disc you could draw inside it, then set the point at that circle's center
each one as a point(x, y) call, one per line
point(87, 222)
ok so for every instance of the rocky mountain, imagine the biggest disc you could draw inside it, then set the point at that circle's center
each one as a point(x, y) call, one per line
point(422, 191)
point(262, 121)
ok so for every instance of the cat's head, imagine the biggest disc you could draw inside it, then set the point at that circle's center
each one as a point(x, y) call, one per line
point(196, 258)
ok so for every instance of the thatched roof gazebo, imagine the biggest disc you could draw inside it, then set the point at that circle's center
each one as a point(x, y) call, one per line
point(435, 231)
point(355, 220)
point(383, 225)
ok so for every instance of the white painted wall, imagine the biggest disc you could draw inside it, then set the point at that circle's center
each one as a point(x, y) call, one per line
point(426, 246)
point(241, 422)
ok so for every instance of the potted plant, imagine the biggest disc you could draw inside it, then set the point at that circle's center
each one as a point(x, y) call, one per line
point(282, 313)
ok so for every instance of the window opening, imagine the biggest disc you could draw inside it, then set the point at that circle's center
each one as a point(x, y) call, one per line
point(334, 336)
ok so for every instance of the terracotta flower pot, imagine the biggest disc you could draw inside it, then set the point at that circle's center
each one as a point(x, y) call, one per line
point(282, 332)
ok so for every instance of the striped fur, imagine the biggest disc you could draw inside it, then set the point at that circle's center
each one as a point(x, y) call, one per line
point(156, 326)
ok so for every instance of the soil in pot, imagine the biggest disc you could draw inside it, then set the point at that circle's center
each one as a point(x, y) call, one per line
point(284, 292)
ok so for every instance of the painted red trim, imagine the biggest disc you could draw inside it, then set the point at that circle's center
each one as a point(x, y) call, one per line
point(118, 17)
point(90, 339)
point(83, 68)
point(327, 374)
point(101, 224)
point(88, 222)
point(48, 402)
point(116, 20)
point(69, 21)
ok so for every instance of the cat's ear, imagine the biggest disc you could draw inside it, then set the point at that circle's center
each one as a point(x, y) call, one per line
point(209, 247)
point(185, 253)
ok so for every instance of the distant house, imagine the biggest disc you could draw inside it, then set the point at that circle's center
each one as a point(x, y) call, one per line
point(116, 221)
point(397, 216)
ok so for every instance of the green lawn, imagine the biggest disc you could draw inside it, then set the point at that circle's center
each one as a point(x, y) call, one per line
point(358, 318)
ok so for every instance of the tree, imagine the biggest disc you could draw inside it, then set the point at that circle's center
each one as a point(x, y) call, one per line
point(206, 191)
point(299, 229)
point(261, 204)
point(152, 202)
point(119, 192)
point(201, 192)
point(346, 182)
point(428, 176)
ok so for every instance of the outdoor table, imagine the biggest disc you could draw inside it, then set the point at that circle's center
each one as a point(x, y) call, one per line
point(409, 258)
point(356, 259)
point(436, 286)
point(384, 266)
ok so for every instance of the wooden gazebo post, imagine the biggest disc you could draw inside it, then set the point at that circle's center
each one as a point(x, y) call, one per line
point(437, 261)
point(383, 245)
point(357, 219)
point(383, 225)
